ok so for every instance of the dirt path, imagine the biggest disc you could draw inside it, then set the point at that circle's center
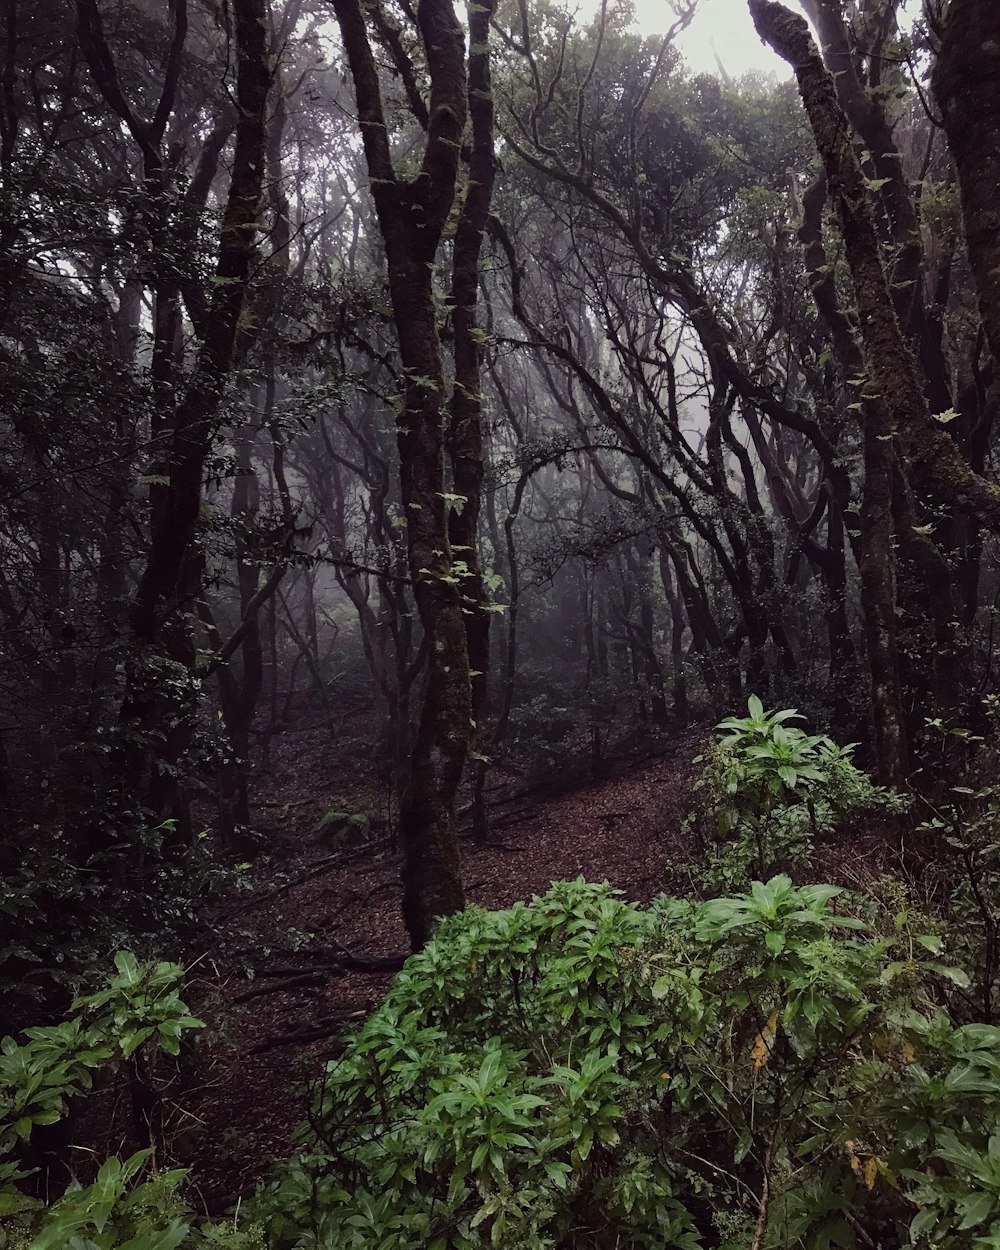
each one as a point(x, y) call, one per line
point(627, 831)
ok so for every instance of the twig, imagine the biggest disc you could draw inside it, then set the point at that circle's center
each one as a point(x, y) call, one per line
point(324, 865)
point(280, 987)
point(332, 966)
point(853, 1221)
point(316, 1034)
point(765, 1202)
point(369, 963)
point(291, 802)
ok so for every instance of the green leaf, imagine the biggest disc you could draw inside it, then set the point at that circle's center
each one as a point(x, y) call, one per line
point(975, 1210)
point(774, 939)
point(128, 967)
point(131, 1041)
point(166, 1239)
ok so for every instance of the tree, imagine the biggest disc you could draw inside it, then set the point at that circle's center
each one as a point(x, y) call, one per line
point(901, 436)
point(412, 213)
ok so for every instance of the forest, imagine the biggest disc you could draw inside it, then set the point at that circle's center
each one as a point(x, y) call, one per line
point(498, 625)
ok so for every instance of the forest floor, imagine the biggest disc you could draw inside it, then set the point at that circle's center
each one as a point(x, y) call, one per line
point(278, 1017)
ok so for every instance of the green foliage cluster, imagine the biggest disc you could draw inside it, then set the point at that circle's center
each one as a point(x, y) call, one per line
point(961, 825)
point(63, 922)
point(768, 789)
point(139, 1006)
point(128, 1206)
point(760, 1069)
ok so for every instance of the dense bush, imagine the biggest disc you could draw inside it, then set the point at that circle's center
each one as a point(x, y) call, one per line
point(783, 1067)
point(756, 1070)
point(63, 919)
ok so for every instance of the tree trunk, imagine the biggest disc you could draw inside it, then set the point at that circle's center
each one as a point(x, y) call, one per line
point(465, 437)
point(933, 462)
point(158, 691)
point(412, 214)
point(895, 407)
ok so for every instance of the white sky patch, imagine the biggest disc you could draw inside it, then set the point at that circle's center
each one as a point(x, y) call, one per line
point(722, 27)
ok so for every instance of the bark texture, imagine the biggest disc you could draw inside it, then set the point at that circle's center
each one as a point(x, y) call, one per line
point(891, 369)
point(465, 438)
point(465, 434)
point(935, 464)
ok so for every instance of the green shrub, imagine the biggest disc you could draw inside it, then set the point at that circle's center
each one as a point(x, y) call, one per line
point(138, 1013)
point(774, 1069)
point(130, 1204)
point(768, 789)
point(139, 1010)
point(578, 1072)
point(61, 920)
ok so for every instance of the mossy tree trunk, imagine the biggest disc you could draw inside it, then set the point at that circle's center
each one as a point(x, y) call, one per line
point(900, 433)
point(465, 438)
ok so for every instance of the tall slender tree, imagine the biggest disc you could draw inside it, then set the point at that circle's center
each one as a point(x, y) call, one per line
point(412, 213)
point(170, 578)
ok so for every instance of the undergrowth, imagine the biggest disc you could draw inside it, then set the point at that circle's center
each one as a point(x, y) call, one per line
point(782, 1066)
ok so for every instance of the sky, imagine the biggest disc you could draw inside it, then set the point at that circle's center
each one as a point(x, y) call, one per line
point(723, 24)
